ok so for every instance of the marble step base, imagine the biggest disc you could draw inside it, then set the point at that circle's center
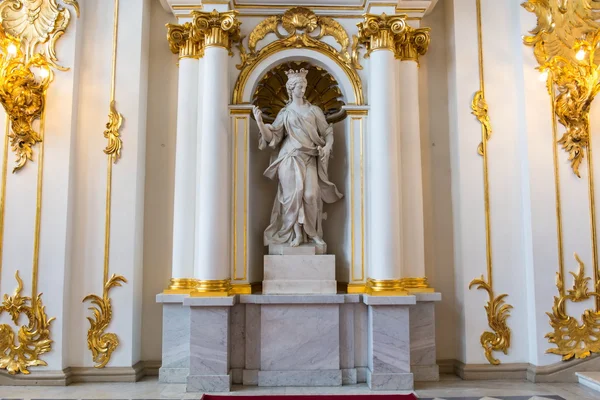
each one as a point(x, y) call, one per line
point(305, 249)
point(299, 287)
point(315, 378)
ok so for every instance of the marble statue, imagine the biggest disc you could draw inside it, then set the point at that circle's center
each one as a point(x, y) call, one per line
point(303, 141)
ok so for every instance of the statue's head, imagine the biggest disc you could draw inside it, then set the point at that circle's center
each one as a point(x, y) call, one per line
point(296, 83)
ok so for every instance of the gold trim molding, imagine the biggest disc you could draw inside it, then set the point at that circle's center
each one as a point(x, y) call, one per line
point(497, 312)
point(181, 286)
point(299, 25)
point(102, 344)
point(34, 338)
point(212, 288)
point(416, 285)
point(387, 287)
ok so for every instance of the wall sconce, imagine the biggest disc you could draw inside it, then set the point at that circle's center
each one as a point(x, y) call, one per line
point(23, 85)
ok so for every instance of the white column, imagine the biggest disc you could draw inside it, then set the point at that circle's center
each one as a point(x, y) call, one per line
point(214, 214)
point(383, 202)
point(185, 171)
point(413, 245)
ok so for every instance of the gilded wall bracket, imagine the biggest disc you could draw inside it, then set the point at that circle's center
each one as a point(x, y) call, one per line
point(30, 30)
point(100, 343)
point(564, 44)
point(33, 338)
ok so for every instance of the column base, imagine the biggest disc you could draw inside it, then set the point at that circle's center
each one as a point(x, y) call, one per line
point(212, 288)
point(390, 381)
point(387, 287)
point(209, 383)
point(181, 286)
point(416, 285)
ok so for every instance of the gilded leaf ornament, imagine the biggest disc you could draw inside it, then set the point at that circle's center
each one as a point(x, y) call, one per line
point(30, 30)
point(480, 111)
point(574, 340)
point(23, 95)
point(37, 22)
point(115, 143)
point(498, 339)
point(565, 41)
point(100, 343)
point(33, 338)
point(298, 27)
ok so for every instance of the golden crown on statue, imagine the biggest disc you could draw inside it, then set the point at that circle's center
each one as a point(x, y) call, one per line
point(293, 75)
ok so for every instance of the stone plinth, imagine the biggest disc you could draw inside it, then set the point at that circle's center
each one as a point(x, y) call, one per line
point(389, 342)
point(175, 340)
point(299, 270)
point(210, 347)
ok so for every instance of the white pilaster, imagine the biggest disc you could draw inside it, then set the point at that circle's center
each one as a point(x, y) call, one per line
point(413, 242)
point(185, 170)
point(214, 211)
point(383, 201)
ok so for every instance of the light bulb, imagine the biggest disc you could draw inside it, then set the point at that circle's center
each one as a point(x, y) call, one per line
point(44, 72)
point(12, 49)
point(580, 55)
point(544, 76)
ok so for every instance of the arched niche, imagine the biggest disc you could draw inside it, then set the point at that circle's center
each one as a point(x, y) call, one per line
point(347, 78)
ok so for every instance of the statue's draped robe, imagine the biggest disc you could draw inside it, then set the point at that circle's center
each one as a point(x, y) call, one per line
point(303, 181)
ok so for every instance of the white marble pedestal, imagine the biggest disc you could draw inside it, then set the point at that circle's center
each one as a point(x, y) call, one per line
point(299, 270)
point(298, 340)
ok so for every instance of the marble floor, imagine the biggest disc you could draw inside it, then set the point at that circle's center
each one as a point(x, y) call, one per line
point(449, 387)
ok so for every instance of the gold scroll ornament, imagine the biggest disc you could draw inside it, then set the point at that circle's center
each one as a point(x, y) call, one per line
point(102, 344)
point(33, 338)
point(25, 70)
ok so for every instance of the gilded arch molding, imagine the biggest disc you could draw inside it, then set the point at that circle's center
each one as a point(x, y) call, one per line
point(298, 23)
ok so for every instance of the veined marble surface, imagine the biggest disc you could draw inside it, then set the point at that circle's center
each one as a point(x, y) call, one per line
point(448, 387)
point(209, 350)
point(175, 343)
point(300, 337)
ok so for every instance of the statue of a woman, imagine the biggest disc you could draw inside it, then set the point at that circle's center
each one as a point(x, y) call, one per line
point(304, 140)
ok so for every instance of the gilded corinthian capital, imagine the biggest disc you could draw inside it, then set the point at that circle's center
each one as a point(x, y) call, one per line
point(383, 31)
point(392, 33)
point(220, 29)
point(185, 40)
point(414, 44)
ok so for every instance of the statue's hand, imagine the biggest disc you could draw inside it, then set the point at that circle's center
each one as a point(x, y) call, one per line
point(324, 152)
point(257, 114)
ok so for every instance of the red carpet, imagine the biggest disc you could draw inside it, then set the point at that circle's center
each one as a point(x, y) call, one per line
point(316, 397)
